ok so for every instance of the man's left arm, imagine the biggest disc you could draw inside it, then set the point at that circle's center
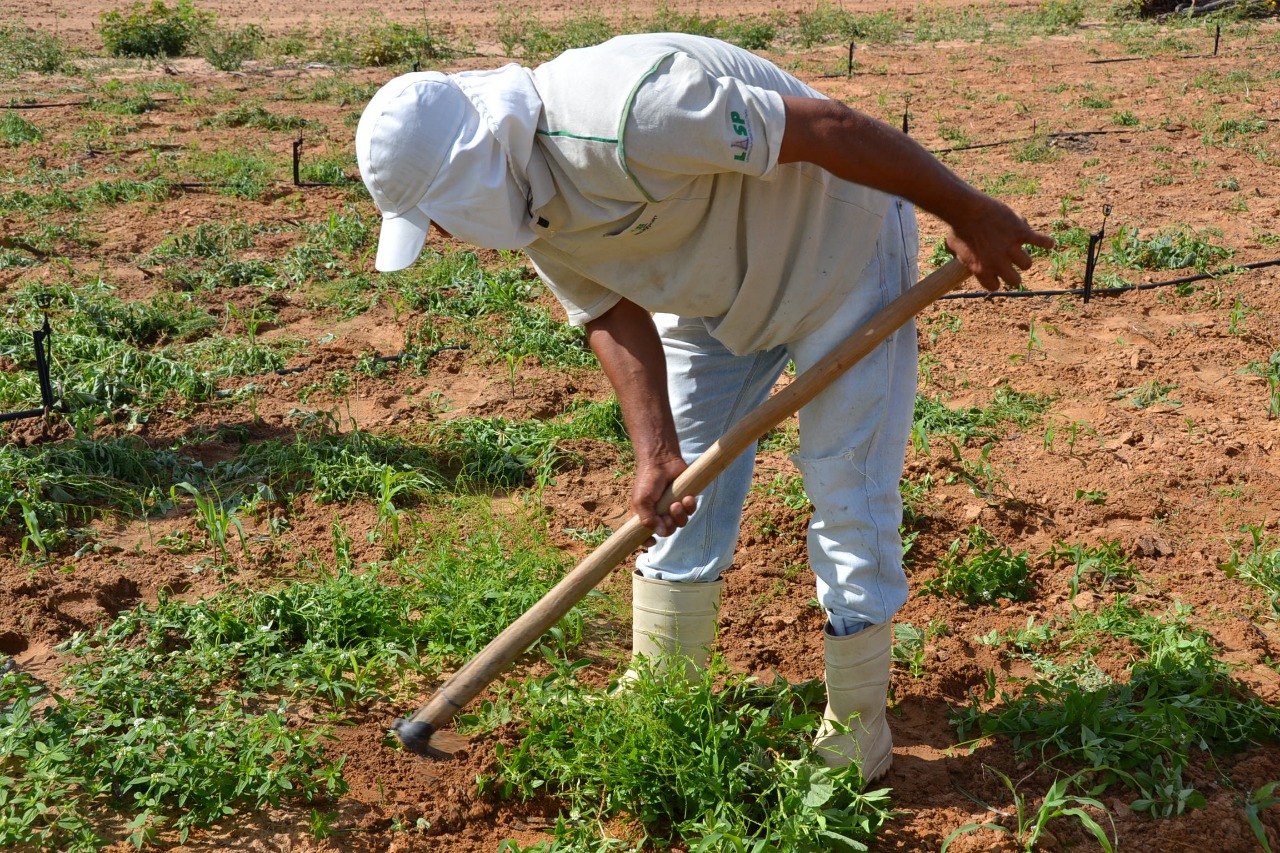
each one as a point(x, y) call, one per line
point(986, 234)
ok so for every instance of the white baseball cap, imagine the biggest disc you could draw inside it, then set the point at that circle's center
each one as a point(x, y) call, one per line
point(403, 140)
point(453, 149)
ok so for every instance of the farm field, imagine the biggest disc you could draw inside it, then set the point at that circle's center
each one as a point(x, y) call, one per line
point(284, 496)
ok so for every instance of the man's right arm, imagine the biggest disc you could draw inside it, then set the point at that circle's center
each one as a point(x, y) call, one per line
point(630, 351)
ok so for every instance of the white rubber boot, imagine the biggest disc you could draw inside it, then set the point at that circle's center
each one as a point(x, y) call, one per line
point(674, 619)
point(857, 692)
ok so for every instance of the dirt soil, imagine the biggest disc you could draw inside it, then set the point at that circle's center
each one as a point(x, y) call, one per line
point(1180, 475)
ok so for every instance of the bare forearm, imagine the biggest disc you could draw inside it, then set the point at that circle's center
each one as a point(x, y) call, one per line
point(627, 344)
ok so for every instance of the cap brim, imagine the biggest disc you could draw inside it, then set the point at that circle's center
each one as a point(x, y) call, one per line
point(401, 239)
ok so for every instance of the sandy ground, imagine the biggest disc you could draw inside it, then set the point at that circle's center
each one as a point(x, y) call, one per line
point(1180, 475)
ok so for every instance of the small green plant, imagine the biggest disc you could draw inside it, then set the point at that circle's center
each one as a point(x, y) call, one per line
point(1257, 562)
point(1140, 732)
point(789, 491)
point(229, 48)
point(1100, 567)
point(1038, 149)
point(728, 768)
point(216, 517)
point(1150, 393)
point(1021, 639)
point(25, 49)
point(978, 570)
point(1269, 371)
point(1170, 249)
point(909, 644)
point(393, 43)
point(16, 130)
point(153, 30)
point(1258, 802)
point(933, 417)
point(1030, 823)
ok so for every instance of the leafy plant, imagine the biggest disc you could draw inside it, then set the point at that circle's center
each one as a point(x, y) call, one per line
point(934, 417)
point(1100, 566)
point(720, 769)
point(16, 130)
point(25, 49)
point(1150, 393)
point(1169, 249)
point(1258, 802)
point(909, 644)
point(1269, 371)
point(217, 518)
point(1179, 700)
point(1030, 824)
point(1259, 565)
point(229, 48)
point(978, 570)
point(153, 30)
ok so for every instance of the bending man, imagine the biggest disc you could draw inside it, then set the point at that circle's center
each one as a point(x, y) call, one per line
point(707, 217)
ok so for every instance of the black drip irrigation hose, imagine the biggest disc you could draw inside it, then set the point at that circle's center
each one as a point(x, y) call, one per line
point(1107, 291)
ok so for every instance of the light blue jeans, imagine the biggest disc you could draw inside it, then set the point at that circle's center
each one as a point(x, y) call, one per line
point(852, 443)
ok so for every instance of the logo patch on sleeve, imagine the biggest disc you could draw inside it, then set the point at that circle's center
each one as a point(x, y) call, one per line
point(741, 130)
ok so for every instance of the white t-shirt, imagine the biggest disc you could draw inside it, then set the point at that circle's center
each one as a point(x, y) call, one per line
point(664, 151)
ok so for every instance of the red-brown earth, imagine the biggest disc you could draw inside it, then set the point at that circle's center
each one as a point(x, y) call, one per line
point(1180, 476)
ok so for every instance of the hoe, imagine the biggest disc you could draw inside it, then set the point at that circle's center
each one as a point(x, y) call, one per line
point(418, 732)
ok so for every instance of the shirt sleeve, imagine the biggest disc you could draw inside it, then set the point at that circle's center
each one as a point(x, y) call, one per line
point(582, 298)
point(683, 121)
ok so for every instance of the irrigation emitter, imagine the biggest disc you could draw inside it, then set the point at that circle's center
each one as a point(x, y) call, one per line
point(42, 339)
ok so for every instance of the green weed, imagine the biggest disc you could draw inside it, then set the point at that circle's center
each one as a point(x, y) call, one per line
point(909, 644)
point(1270, 372)
point(229, 48)
point(934, 417)
point(827, 23)
point(1257, 562)
point(1030, 824)
point(1169, 249)
point(153, 30)
point(377, 42)
point(25, 49)
point(1101, 567)
point(16, 130)
point(332, 467)
point(52, 486)
point(179, 715)
point(720, 770)
point(978, 570)
point(499, 453)
point(252, 115)
point(1150, 393)
point(241, 173)
point(1179, 701)
point(522, 30)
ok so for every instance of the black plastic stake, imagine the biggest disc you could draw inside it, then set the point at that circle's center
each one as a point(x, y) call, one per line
point(297, 158)
point(906, 114)
point(849, 71)
point(1217, 37)
point(1095, 249)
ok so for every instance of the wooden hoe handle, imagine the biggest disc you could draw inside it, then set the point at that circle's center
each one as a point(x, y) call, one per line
point(478, 673)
